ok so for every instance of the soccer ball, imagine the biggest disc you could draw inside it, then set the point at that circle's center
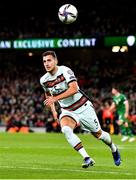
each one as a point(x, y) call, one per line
point(67, 13)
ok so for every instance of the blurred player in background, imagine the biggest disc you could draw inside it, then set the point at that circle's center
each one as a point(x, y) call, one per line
point(120, 104)
point(60, 85)
point(108, 118)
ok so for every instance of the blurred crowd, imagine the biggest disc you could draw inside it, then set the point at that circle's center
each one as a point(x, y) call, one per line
point(93, 21)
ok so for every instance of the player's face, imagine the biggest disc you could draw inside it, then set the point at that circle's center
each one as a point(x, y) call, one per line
point(50, 63)
point(106, 105)
point(114, 91)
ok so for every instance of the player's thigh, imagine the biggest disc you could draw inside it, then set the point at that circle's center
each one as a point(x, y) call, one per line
point(68, 119)
point(120, 122)
point(121, 119)
point(89, 120)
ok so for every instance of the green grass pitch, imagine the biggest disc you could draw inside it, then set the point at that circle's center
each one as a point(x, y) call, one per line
point(49, 156)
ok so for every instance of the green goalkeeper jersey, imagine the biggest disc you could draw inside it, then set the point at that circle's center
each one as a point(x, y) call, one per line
point(120, 103)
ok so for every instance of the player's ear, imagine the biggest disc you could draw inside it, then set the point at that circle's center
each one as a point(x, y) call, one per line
point(56, 60)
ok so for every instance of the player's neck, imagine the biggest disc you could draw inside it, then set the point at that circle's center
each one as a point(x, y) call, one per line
point(117, 94)
point(54, 71)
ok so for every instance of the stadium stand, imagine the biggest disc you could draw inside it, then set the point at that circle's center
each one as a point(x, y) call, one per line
point(40, 20)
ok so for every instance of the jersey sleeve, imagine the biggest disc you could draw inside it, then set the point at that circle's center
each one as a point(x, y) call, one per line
point(113, 99)
point(69, 74)
point(43, 86)
point(124, 98)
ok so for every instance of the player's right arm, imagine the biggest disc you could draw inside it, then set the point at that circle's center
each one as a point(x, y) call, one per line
point(126, 109)
point(51, 107)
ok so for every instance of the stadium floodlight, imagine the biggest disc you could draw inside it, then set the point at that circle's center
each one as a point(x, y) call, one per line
point(124, 49)
point(115, 49)
point(131, 40)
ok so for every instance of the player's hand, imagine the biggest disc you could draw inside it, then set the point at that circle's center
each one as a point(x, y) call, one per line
point(49, 107)
point(46, 105)
point(126, 115)
point(126, 124)
point(49, 101)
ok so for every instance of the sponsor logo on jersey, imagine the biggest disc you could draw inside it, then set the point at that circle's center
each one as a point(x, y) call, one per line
point(52, 83)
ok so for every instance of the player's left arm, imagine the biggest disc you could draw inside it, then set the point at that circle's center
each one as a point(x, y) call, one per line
point(112, 107)
point(126, 108)
point(73, 89)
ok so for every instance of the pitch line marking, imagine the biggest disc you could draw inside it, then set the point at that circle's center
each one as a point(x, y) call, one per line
point(70, 170)
point(56, 147)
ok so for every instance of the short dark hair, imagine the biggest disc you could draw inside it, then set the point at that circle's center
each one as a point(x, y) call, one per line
point(52, 53)
point(116, 86)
